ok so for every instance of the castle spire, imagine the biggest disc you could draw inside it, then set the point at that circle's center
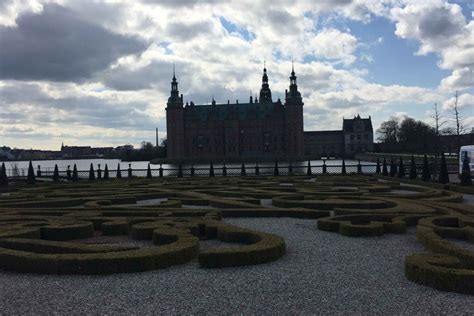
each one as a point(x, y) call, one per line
point(175, 98)
point(265, 92)
point(293, 93)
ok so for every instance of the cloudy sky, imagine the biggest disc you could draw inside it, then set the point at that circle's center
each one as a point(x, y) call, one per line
point(98, 73)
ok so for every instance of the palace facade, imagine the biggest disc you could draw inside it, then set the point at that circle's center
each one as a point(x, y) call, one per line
point(259, 129)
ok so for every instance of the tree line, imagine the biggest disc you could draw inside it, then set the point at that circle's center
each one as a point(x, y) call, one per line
point(414, 136)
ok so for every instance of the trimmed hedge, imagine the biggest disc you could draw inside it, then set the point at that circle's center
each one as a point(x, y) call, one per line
point(260, 248)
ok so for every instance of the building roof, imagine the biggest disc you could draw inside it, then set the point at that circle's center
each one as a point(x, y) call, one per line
point(313, 133)
point(349, 124)
point(240, 111)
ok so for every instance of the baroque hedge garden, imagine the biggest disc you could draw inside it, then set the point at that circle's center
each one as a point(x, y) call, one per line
point(47, 227)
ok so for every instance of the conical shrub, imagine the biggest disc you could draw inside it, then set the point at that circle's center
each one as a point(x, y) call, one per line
point(243, 172)
point(192, 170)
point(359, 167)
point(211, 170)
point(130, 171)
point(224, 170)
point(401, 168)
point(257, 169)
point(393, 168)
point(119, 172)
point(91, 173)
point(426, 174)
point(413, 171)
point(276, 170)
point(148, 172)
point(343, 169)
point(56, 174)
point(290, 169)
point(3, 175)
point(75, 176)
point(325, 167)
point(309, 172)
point(384, 167)
point(106, 172)
point(443, 171)
point(99, 172)
point(180, 170)
point(68, 173)
point(31, 179)
point(377, 168)
point(466, 177)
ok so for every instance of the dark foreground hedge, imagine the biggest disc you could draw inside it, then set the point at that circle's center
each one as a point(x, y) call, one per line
point(441, 272)
point(451, 267)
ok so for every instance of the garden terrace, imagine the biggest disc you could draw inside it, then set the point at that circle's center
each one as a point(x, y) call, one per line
point(50, 228)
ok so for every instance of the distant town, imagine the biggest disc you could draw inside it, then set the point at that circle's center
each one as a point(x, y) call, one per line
point(128, 152)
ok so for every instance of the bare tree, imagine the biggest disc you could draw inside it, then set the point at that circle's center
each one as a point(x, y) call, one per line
point(460, 128)
point(439, 122)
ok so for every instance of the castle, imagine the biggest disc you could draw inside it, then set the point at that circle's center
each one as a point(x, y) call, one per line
point(260, 129)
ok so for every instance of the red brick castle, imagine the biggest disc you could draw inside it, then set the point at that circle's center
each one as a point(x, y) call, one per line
point(259, 129)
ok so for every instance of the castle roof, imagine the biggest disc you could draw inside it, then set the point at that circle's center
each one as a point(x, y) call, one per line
point(235, 111)
point(348, 124)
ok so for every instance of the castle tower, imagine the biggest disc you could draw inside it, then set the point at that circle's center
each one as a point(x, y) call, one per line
point(294, 119)
point(265, 92)
point(175, 122)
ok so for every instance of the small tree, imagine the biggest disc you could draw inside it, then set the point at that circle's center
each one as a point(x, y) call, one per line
point(91, 173)
point(257, 169)
point(106, 172)
point(119, 172)
point(211, 170)
point(443, 172)
point(426, 174)
point(224, 170)
point(343, 169)
point(309, 171)
point(384, 167)
point(56, 174)
point(377, 168)
point(413, 172)
point(276, 171)
point(359, 167)
point(148, 172)
point(401, 169)
point(75, 176)
point(3, 175)
point(466, 178)
point(290, 169)
point(393, 168)
point(31, 179)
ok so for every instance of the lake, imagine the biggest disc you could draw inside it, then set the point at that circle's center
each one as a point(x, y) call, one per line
point(84, 165)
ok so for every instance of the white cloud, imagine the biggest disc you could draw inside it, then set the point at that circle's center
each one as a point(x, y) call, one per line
point(125, 101)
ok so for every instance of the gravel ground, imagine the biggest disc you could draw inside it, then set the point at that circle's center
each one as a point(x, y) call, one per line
point(323, 273)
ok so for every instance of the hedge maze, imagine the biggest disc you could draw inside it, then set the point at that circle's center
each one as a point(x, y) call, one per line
point(59, 228)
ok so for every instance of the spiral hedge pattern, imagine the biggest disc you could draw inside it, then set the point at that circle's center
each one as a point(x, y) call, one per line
point(44, 228)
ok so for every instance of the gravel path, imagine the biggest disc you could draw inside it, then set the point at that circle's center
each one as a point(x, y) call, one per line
point(321, 273)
